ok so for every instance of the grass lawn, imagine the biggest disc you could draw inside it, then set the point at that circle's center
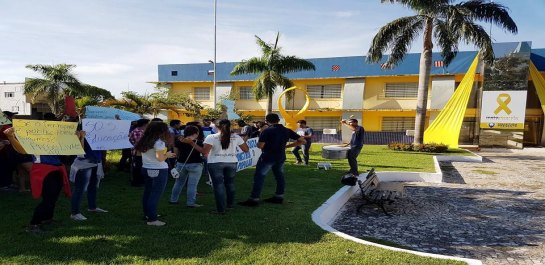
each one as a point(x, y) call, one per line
point(268, 234)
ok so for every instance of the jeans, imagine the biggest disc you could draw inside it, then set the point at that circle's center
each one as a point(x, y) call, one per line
point(85, 177)
point(223, 181)
point(51, 188)
point(352, 159)
point(305, 148)
point(156, 181)
point(261, 170)
point(138, 178)
point(190, 173)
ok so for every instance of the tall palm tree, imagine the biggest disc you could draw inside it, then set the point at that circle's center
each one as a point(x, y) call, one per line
point(154, 103)
point(446, 24)
point(58, 81)
point(271, 67)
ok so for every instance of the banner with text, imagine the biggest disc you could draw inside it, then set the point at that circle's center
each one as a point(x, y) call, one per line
point(503, 110)
point(94, 112)
point(107, 134)
point(48, 137)
point(248, 159)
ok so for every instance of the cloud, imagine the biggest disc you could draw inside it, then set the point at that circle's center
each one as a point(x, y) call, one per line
point(345, 14)
point(102, 69)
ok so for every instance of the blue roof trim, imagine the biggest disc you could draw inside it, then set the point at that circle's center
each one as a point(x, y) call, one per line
point(352, 66)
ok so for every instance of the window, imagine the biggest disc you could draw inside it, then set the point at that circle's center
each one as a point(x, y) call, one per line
point(174, 73)
point(320, 123)
point(397, 124)
point(202, 93)
point(401, 90)
point(327, 91)
point(9, 94)
point(245, 92)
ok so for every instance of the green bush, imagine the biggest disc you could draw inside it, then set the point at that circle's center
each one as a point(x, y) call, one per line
point(428, 148)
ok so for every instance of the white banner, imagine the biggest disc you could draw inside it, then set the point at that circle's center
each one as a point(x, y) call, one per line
point(503, 110)
point(248, 159)
point(107, 134)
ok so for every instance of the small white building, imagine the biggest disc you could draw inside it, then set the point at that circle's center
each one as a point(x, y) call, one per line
point(12, 98)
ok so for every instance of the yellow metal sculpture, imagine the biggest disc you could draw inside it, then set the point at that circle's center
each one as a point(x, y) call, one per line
point(291, 120)
point(539, 83)
point(445, 129)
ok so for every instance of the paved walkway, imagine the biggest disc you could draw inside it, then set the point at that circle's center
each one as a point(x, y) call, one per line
point(492, 211)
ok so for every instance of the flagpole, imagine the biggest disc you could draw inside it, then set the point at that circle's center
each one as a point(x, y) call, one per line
point(215, 15)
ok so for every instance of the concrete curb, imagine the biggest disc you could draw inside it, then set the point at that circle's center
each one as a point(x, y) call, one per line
point(326, 213)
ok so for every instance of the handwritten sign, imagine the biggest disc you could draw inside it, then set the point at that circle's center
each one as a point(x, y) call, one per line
point(230, 104)
point(94, 112)
point(107, 134)
point(3, 119)
point(248, 159)
point(48, 137)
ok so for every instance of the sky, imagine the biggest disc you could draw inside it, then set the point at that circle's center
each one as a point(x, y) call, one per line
point(117, 44)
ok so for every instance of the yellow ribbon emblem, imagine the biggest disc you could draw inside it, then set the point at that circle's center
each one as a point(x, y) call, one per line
point(503, 100)
point(291, 120)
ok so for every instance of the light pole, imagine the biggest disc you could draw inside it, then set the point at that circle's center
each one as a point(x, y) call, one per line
point(214, 84)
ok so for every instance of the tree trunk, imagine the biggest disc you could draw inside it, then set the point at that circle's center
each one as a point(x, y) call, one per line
point(423, 84)
point(269, 104)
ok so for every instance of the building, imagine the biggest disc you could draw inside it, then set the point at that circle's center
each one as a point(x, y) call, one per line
point(384, 100)
point(12, 98)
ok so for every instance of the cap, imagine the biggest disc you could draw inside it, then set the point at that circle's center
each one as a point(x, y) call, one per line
point(9, 113)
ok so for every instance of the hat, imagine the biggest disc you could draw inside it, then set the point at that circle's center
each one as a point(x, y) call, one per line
point(9, 113)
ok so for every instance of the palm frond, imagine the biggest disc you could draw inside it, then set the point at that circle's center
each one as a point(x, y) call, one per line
point(490, 12)
point(403, 43)
point(251, 66)
point(476, 34)
point(387, 36)
point(290, 64)
point(447, 40)
point(265, 47)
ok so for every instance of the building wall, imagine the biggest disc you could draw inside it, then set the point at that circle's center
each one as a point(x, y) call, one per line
point(12, 98)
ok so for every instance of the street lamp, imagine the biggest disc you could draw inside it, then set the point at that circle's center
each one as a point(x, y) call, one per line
point(214, 62)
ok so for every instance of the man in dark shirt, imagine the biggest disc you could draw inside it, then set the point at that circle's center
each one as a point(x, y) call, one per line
point(272, 142)
point(356, 144)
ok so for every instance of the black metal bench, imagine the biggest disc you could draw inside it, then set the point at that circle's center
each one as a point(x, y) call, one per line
point(375, 192)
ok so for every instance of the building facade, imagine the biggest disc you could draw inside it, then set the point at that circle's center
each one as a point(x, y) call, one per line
point(383, 100)
point(12, 98)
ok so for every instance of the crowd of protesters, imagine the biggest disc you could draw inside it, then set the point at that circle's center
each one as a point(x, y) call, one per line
point(186, 152)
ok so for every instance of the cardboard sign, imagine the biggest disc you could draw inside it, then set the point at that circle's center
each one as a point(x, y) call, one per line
point(48, 137)
point(94, 112)
point(248, 159)
point(3, 119)
point(107, 134)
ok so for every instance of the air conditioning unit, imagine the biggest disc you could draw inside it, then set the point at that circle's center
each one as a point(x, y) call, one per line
point(409, 132)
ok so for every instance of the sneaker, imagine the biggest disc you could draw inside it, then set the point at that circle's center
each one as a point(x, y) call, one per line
point(97, 210)
point(299, 162)
point(249, 203)
point(146, 218)
point(195, 206)
point(78, 217)
point(156, 223)
point(34, 229)
point(275, 199)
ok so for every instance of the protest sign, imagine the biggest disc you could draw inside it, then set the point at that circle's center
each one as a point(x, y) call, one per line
point(48, 137)
point(248, 159)
point(3, 119)
point(94, 112)
point(231, 114)
point(107, 134)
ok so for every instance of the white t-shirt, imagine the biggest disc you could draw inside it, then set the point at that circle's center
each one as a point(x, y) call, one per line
point(219, 155)
point(149, 160)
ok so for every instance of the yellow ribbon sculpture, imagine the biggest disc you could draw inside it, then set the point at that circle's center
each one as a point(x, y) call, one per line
point(539, 83)
point(291, 120)
point(445, 129)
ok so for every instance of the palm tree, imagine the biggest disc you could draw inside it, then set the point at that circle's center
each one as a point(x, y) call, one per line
point(57, 81)
point(445, 23)
point(271, 67)
point(155, 102)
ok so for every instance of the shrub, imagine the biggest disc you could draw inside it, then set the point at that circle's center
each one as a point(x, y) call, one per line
point(428, 148)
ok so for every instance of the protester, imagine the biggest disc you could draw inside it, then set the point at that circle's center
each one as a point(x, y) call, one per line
point(273, 143)
point(134, 137)
point(220, 148)
point(126, 154)
point(207, 128)
point(356, 144)
point(189, 166)
point(261, 125)
point(174, 128)
point(306, 132)
point(153, 148)
point(47, 177)
point(7, 159)
point(245, 129)
point(86, 173)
